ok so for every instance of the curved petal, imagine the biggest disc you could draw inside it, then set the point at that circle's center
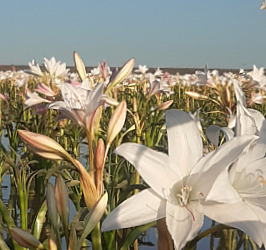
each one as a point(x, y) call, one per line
point(222, 190)
point(151, 165)
point(258, 117)
point(184, 141)
point(142, 208)
point(57, 105)
point(240, 216)
point(229, 133)
point(93, 100)
point(240, 96)
point(247, 159)
point(212, 133)
point(245, 123)
point(183, 223)
point(262, 133)
point(210, 166)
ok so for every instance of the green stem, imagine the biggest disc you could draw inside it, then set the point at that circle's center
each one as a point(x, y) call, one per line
point(211, 230)
point(96, 237)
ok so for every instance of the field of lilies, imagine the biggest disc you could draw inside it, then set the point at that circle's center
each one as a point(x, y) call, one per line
point(95, 160)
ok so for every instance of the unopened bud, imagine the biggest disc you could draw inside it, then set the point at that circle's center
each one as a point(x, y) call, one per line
point(165, 105)
point(43, 145)
point(99, 164)
point(25, 239)
point(135, 106)
point(123, 73)
point(79, 66)
point(61, 197)
point(196, 95)
point(116, 122)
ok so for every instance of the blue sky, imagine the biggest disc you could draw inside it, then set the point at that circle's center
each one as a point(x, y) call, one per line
point(175, 33)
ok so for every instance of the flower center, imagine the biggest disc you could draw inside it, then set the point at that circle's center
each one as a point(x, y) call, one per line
point(184, 196)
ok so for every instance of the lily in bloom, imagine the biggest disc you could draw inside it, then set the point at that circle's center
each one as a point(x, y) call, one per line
point(33, 99)
point(79, 104)
point(244, 180)
point(243, 186)
point(178, 180)
point(55, 69)
point(35, 68)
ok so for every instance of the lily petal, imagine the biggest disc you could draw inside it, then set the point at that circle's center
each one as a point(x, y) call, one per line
point(151, 165)
point(142, 208)
point(181, 131)
point(240, 216)
point(183, 223)
point(215, 162)
point(222, 183)
point(245, 123)
point(258, 117)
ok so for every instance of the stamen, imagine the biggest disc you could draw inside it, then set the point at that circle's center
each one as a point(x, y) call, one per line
point(262, 181)
point(184, 198)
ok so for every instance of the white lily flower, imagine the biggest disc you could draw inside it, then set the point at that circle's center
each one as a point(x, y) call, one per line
point(96, 71)
point(55, 69)
point(33, 99)
point(79, 104)
point(158, 72)
point(202, 76)
point(178, 181)
point(246, 122)
point(142, 69)
point(34, 68)
point(244, 181)
point(258, 76)
point(244, 194)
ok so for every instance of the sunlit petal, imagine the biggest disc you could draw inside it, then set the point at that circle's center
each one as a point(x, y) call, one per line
point(182, 131)
point(183, 222)
point(142, 208)
point(151, 165)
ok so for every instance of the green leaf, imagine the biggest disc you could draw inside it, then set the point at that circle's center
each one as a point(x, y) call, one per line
point(39, 221)
point(134, 234)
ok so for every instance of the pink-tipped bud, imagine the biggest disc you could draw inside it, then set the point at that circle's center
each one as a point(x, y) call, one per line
point(165, 105)
point(196, 95)
point(99, 155)
point(25, 239)
point(61, 197)
point(99, 165)
point(116, 122)
point(43, 145)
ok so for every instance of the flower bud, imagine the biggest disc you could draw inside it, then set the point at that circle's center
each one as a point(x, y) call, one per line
point(165, 105)
point(51, 205)
point(79, 66)
point(87, 185)
point(196, 95)
point(25, 239)
point(72, 238)
point(61, 197)
point(135, 106)
point(116, 122)
point(122, 74)
point(99, 165)
point(43, 145)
